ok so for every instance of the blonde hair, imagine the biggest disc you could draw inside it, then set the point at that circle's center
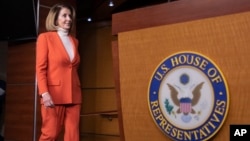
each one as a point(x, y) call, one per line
point(51, 19)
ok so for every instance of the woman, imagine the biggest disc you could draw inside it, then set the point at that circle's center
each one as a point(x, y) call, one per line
point(57, 64)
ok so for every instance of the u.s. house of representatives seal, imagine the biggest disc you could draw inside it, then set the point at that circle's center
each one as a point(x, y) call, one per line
point(188, 97)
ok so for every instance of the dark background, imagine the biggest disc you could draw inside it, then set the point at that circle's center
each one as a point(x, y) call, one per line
point(18, 20)
point(19, 17)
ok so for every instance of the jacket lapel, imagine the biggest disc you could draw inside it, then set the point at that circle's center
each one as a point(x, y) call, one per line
point(74, 48)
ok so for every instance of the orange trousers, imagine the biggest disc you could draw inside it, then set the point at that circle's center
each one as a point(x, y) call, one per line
point(55, 119)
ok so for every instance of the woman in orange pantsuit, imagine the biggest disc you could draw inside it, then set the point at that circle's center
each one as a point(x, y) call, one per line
point(57, 61)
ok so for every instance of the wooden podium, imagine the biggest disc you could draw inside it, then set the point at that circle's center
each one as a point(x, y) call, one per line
point(219, 29)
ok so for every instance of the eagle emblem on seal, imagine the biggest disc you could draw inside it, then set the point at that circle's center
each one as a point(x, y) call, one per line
point(185, 97)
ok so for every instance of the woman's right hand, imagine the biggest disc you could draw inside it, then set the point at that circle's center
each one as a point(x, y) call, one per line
point(47, 100)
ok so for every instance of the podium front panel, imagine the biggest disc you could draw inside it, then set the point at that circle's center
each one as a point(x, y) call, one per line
point(224, 39)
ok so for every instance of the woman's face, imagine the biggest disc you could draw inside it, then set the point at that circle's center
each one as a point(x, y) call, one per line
point(64, 19)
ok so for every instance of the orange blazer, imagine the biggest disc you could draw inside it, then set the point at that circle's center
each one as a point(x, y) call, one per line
point(55, 72)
